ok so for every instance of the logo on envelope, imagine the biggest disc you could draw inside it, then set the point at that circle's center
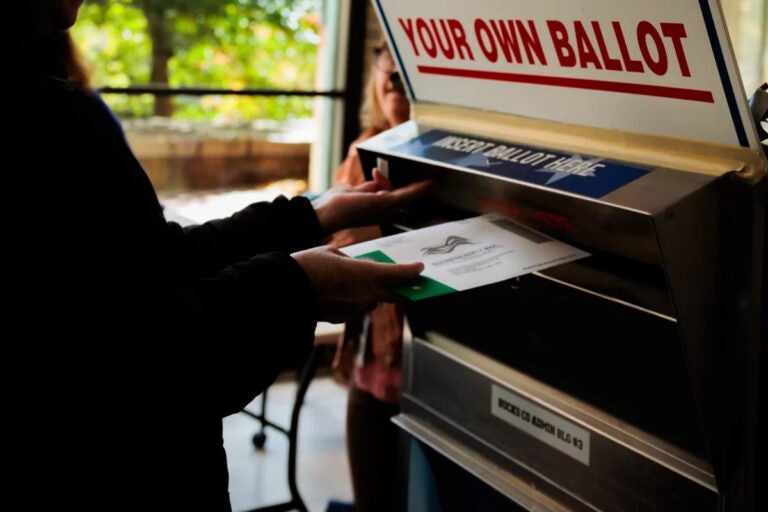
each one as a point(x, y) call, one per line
point(451, 243)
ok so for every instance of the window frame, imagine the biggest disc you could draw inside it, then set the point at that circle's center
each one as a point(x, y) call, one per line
point(339, 93)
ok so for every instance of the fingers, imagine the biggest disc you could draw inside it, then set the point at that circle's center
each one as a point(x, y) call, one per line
point(388, 275)
point(381, 180)
point(378, 183)
point(391, 297)
point(367, 186)
point(412, 191)
point(345, 286)
point(381, 183)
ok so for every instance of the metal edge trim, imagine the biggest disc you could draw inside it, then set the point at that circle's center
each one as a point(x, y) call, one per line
point(606, 297)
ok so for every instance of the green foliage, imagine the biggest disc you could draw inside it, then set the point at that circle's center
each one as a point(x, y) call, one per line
point(212, 43)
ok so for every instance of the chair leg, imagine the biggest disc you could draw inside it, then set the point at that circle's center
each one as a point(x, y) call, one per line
point(305, 379)
point(307, 374)
point(260, 437)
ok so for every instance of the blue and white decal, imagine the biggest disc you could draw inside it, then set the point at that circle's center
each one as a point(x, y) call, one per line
point(578, 174)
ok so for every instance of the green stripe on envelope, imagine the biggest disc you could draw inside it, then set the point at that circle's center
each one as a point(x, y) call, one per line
point(375, 256)
point(422, 288)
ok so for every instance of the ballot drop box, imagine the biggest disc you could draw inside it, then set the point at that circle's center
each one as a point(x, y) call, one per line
point(628, 380)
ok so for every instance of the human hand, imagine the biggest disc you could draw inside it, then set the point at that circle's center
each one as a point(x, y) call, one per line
point(346, 287)
point(369, 203)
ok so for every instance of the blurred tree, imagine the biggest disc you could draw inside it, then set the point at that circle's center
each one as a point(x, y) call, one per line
point(197, 43)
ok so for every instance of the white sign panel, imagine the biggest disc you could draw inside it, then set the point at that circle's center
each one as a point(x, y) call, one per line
point(655, 67)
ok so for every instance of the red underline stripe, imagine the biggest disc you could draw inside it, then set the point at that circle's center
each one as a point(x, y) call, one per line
point(576, 83)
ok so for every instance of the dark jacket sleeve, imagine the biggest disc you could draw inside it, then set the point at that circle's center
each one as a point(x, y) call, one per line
point(284, 225)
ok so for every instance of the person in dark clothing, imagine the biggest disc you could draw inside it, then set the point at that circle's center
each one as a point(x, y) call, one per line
point(127, 338)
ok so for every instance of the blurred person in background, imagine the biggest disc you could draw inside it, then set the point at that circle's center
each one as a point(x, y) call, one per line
point(369, 354)
point(128, 338)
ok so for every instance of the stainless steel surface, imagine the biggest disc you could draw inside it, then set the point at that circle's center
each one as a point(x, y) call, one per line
point(595, 420)
point(651, 345)
point(625, 466)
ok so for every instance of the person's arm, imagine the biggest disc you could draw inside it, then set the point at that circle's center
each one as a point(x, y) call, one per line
point(283, 225)
point(229, 335)
point(101, 296)
point(293, 225)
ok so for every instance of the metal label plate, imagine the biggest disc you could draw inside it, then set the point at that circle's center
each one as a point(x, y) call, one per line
point(540, 423)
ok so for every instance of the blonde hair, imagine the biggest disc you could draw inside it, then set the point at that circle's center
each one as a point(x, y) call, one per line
point(65, 61)
point(372, 116)
point(76, 68)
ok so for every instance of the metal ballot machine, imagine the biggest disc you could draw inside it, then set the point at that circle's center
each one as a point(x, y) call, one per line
point(628, 380)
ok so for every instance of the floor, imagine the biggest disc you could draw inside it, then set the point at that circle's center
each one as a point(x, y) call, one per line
point(259, 477)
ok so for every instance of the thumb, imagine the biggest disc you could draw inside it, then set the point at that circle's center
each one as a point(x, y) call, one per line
point(396, 274)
